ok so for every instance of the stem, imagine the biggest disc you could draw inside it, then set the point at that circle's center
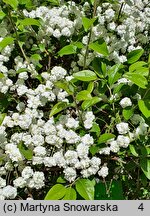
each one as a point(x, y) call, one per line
point(90, 34)
point(17, 38)
point(77, 108)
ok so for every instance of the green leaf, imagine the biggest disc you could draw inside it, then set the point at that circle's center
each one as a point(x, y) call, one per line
point(85, 188)
point(70, 194)
point(100, 47)
point(99, 67)
point(58, 108)
point(85, 75)
point(127, 113)
point(35, 58)
point(68, 50)
point(2, 116)
point(12, 3)
point(134, 56)
point(90, 102)
point(79, 45)
point(137, 79)
point(87, 23)
point(94, 149)
point(133, 150)
point(137, 65)
point(105, 137)
point(90, 87)
point(25, 151)
point(144, 106)
point(57, 192)
point(65, 86)
point(2, 15)
point(29, 21)
point(61, 180)
point(5, 42)
point(54, 2)
point(114, 73)
point(1, 75)
point(83, 95)
point(95, 128)
point(145, 166)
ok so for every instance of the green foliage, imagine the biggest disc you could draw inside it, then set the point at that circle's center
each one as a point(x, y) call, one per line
point(134, 56)
point(145, 166)
point(100, 47)
point(127, 113)
point(105, 137)
point(2, 15)
point(25, 151)
point(2, 116)
point(12, 3)
point(114, 73)
point(85, 75)
point(85, 188)
point(138, 79)
point(29, 21)
point(144, 106)
point(90, 102)
point(57, 192)
point(5, 42)
point(58, 108)
point(87, 23)
point(68, 50)
point(70, 194)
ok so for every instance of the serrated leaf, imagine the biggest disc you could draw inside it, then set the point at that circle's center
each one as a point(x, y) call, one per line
point(134, 56)
point(100, 47)
point(57, 192)
point(2, 116)
point(145, 166)
point(70, 194)
point(12, 3)
point(137, 79)
point(90, 102)
point(58, 108)
point(5, 42)
point(144, 106)
point(67, 50)
point(87, 23)
point(25, 151)
point(105, 137)
point(2, 15)
point(29, 21)
point(85, 188)
point(83, 95)
point(85, 75)
point(127, 113)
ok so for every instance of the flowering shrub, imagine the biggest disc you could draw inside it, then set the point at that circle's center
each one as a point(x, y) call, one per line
point(74, 99)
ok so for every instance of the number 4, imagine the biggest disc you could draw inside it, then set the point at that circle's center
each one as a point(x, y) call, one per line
point(141, 207)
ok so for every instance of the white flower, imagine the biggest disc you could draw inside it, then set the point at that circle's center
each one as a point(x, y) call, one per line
point(122, 128)
point(9, 192)
point(2, 182)
point(40, 151)
point(82, 150)
point(125, 102)
point(103, 171)
point(70, 174)
point(114, 147)
point(105, 151)
point(87, 139)
point(72, 123)
point(13, 152)
point(49, 161)
point(123, 141)
point(19, 182)
point(141, 130)
point(71, 157)
point(27, 172)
